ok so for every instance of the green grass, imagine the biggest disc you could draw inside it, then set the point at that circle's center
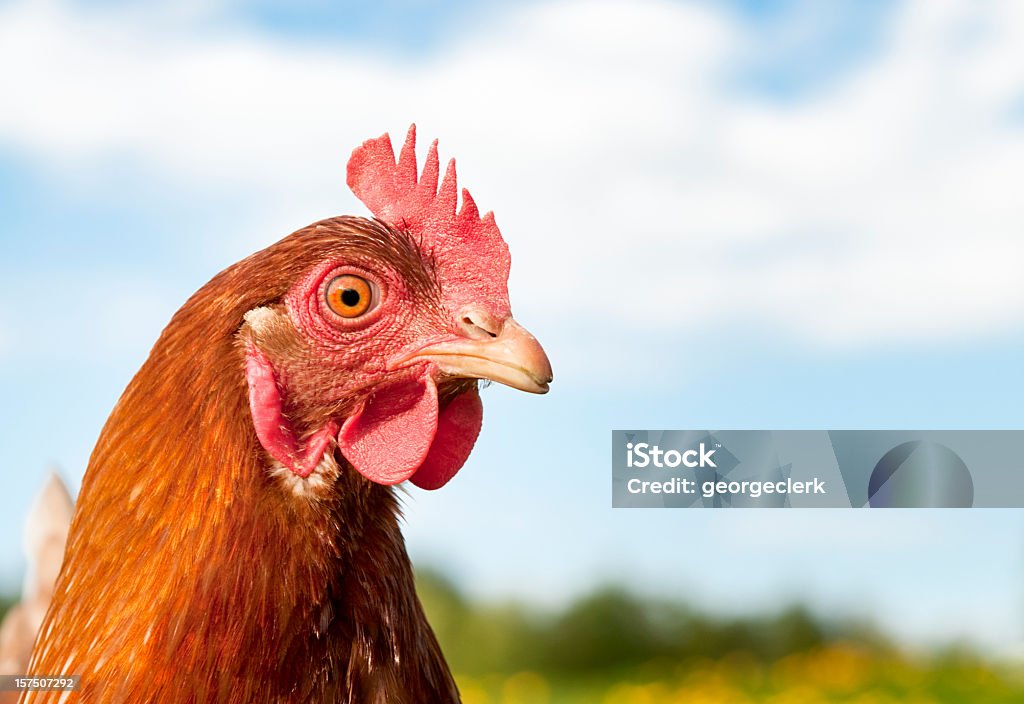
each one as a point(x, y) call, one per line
point(614, 647)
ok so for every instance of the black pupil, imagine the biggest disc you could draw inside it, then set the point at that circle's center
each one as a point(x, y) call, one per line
point(350, 297)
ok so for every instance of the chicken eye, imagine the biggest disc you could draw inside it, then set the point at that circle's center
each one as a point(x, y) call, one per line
point(349, 296)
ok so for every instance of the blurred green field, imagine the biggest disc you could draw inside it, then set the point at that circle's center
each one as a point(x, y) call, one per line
point(613, 647)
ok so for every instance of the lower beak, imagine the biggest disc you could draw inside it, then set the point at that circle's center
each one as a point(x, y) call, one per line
point(513, 357)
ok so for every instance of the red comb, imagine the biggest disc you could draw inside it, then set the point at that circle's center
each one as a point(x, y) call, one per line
point(473, 259)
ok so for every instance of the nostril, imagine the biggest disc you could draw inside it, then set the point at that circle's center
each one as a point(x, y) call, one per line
point(479, 325)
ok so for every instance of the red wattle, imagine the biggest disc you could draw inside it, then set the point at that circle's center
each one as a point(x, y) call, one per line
point(457, 431)
point(397, 434)
point(389, 437)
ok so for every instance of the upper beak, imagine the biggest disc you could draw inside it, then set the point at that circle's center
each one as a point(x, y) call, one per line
point(512, 357)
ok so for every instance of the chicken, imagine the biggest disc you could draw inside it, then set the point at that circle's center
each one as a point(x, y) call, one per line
point(46, 534)
point(236, 537)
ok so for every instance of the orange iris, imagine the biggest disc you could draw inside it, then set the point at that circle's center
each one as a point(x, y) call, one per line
point(349, 296)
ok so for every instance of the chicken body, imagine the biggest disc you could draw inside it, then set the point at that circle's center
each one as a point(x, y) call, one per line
point(236, 536)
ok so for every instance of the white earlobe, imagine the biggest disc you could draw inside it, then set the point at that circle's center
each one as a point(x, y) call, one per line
point(259, 319)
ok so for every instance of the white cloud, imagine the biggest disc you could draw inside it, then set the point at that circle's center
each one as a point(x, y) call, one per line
point(636, 189)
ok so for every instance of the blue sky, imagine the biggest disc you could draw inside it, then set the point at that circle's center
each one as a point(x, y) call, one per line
point(817, 209)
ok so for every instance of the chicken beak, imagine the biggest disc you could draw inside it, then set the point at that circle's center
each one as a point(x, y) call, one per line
point(512, 357)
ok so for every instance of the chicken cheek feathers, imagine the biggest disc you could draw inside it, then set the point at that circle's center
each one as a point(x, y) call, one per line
point(399, 434)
